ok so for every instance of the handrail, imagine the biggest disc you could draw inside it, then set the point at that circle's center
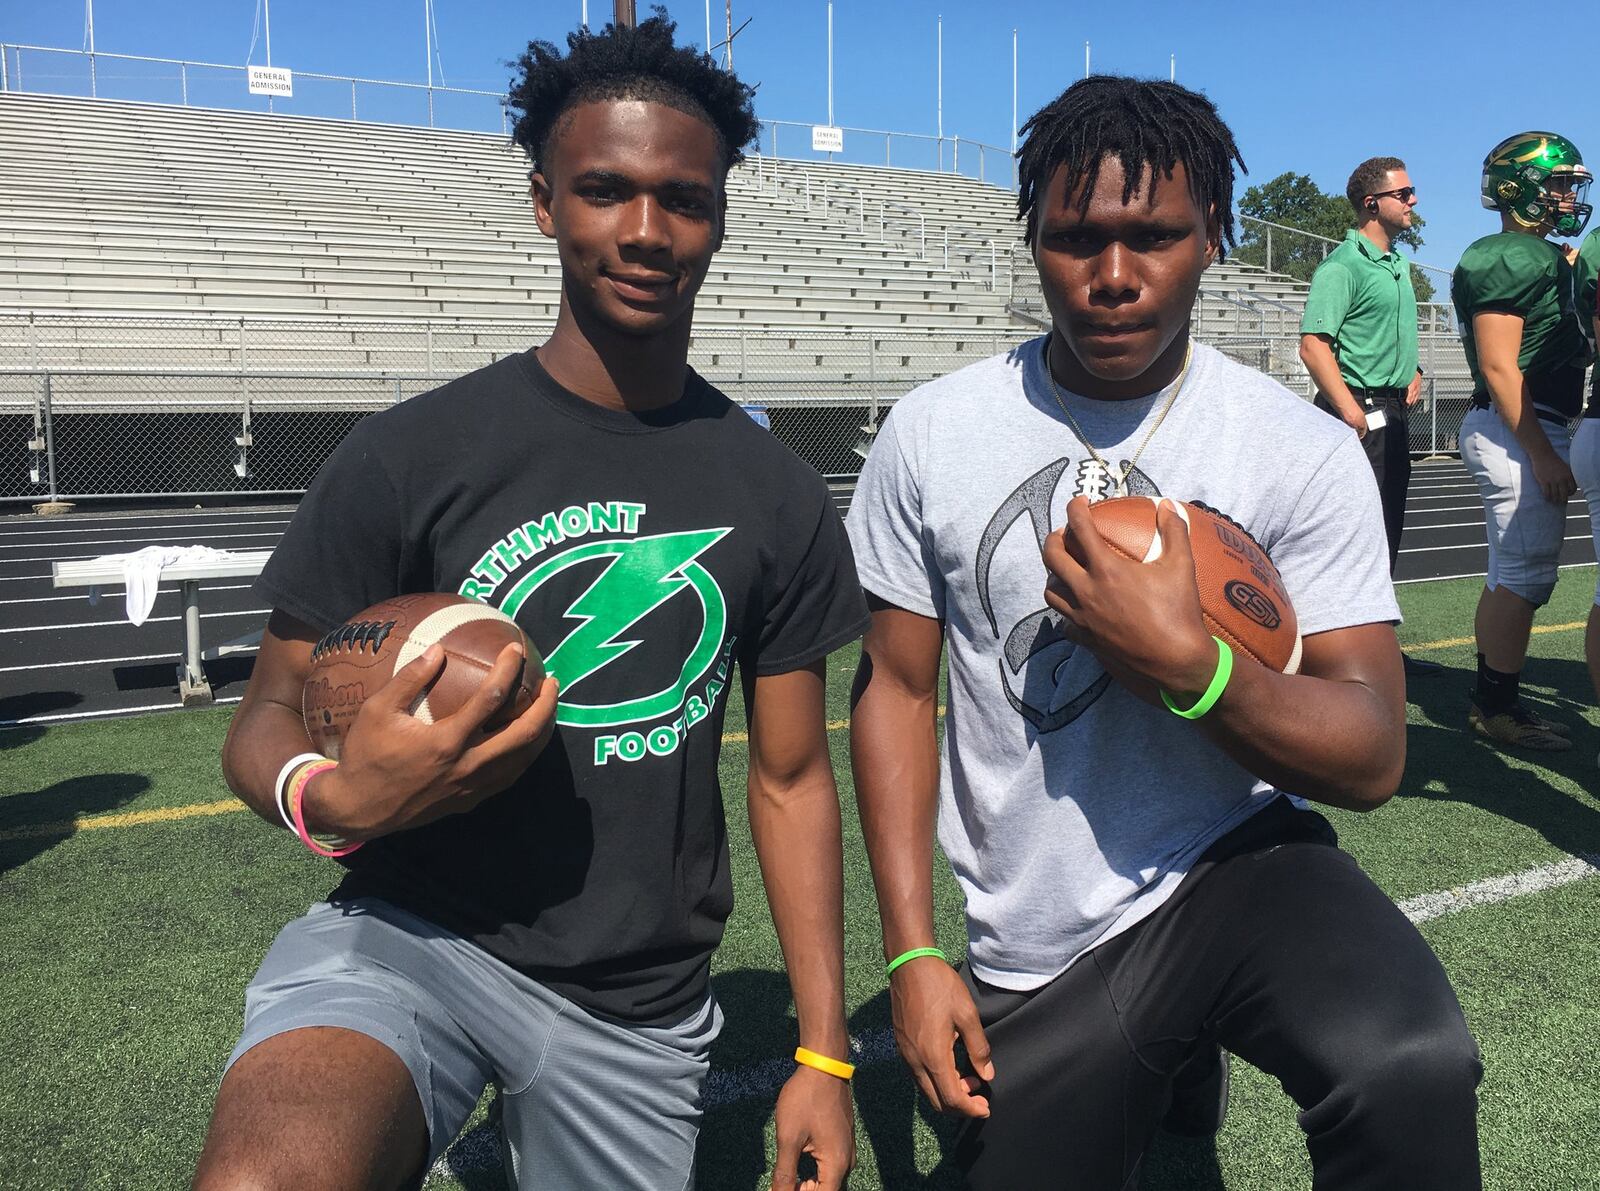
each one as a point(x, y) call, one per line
point(884, 205)
point(1284, 227)
point(305, 74)
point(983, 241)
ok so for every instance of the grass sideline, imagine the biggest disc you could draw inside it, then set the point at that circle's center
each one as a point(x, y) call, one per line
point(138, 907)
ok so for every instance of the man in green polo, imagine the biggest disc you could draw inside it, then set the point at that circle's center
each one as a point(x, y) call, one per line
point(1358, 338)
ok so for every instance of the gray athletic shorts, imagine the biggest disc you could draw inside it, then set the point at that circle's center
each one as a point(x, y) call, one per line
point(1525, 529)
point(586, 1102)
point(1586, 467)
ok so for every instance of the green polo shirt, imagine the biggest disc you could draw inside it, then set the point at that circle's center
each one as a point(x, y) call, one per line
point(1362, 299)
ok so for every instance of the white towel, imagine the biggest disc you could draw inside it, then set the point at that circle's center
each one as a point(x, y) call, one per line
point(141, 572)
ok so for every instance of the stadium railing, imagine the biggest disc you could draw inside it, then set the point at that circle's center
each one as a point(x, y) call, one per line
point(58, 70)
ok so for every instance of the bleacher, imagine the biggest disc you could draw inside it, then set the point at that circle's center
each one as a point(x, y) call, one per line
point(130, 209)
point(236, 266)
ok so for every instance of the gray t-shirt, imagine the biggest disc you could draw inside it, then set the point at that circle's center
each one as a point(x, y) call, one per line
point(1069, 808)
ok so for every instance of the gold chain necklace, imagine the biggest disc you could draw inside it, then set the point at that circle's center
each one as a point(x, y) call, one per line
point(1121, 477)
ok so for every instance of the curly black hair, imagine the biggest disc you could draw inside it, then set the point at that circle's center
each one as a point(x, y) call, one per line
point(1145, 123)
point(639, 63)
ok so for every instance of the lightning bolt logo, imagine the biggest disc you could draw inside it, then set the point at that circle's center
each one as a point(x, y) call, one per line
point(644, 574)
point(640, 575)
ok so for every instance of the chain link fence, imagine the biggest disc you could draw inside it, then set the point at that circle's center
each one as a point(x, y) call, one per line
point(179, 408)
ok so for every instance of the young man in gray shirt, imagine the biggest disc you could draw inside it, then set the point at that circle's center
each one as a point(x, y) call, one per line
point(1141, 889)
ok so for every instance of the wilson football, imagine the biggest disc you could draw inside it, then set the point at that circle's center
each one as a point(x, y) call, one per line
point(1242, 596)
point(356, 659)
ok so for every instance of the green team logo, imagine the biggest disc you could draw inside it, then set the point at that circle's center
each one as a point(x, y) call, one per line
point(639, 575)
point(633, 576)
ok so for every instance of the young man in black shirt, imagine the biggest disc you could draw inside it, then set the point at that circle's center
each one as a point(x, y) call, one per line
point(536, 906)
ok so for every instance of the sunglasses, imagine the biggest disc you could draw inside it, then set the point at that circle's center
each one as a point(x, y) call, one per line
point(1405, 194)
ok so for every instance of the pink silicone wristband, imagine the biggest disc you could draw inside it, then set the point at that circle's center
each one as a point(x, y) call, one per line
point(295, 796)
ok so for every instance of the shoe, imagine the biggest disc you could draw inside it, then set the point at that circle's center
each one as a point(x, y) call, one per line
point(1519, 728)
point(1419, 667)
point(1199, 1095)
point(1555, 726)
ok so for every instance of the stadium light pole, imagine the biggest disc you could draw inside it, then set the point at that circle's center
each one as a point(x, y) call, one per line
point(939, 116)
point(266, 21)
point(89, 15)
point(1085, 59)
point(708, 28)
point(1172, 70)
point(622, 14)
point(1013, 107)
point(830, 68)
point(583, 16)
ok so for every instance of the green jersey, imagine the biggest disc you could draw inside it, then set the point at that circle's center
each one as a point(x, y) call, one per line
point(1517, 273)
point(1588, 269)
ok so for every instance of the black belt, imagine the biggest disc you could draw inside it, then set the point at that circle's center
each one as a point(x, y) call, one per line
point(1481, 401)
point(1379, 394)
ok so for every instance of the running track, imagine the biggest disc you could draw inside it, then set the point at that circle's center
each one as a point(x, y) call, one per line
point(63, 659)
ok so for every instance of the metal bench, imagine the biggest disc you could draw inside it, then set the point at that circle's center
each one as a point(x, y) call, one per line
point(193, 686)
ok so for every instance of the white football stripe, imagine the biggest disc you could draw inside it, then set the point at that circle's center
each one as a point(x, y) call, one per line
point(435, 627)
point(1154, 552)
point(1293, 666)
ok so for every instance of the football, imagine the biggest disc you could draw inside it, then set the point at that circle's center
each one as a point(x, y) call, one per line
point(353, 662)
point(1242, 596)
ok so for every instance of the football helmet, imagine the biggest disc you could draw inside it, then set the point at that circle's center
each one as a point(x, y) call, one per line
point(1530, 176)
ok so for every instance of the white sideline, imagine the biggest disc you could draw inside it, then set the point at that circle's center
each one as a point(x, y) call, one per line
point(478, 1149)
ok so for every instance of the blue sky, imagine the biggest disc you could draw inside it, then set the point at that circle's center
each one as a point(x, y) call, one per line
point(1313, 89)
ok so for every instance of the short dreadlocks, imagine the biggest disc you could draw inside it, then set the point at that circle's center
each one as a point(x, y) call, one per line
point(1146, 124)
point(639, 63)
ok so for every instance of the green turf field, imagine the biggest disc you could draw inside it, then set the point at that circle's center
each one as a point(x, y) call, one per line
point(137, 901)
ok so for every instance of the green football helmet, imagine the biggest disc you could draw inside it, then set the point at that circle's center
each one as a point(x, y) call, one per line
point(1518, 175)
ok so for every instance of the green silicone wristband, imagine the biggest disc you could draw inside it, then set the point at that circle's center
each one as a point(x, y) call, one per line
point(1219, 683)
point(906, 957)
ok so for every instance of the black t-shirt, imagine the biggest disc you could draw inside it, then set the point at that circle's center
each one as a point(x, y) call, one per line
point(643, 555)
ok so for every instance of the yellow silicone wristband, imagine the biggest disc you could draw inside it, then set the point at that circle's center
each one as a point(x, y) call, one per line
point(810, 1058)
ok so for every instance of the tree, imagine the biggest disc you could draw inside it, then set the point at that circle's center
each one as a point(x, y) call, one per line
point(1295, 201)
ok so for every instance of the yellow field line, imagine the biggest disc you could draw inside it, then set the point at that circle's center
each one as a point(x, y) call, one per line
point(165, 814)
point(171, 814)
point(1452, 642)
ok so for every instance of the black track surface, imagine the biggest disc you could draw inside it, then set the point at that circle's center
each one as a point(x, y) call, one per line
point(63, 658)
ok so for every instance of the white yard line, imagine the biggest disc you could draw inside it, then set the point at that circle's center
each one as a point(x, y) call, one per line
point(1566, 566)
point(61, 716)
point(1581, 537)
point(169, 656)
point(80, 596)
point(1498, 889)
point(101, 624)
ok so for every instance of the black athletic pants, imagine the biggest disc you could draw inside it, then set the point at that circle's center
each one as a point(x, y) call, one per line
point(1389, 451)
point(1280, 949)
